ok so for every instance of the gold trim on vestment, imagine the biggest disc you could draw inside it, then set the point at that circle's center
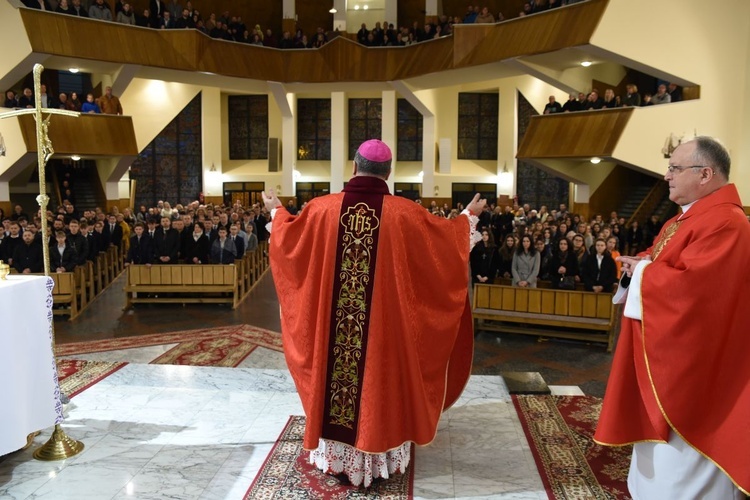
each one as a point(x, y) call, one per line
point(359, 222)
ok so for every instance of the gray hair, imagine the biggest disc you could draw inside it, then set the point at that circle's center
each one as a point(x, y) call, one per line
point(711, 153)
point(368, 167)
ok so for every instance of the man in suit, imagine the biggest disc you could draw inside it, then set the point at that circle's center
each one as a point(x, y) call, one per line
point(166, 243)
point(239, 243)
point(112, 233)
point(62, 256)
point(141, 247)
point(78, 242)
point(27, 257)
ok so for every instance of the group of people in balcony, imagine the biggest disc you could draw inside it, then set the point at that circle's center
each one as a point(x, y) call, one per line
point(665, 93)
point(544, 246)
point(107, 103)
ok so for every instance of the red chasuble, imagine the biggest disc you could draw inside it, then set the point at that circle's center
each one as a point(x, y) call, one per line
point(375, 318)
point(685, 366)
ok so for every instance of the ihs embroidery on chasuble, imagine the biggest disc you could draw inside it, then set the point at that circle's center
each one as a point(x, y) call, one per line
point(358, 244)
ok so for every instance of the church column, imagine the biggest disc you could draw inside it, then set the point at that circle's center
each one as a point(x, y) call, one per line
point(5, 198)
point(507, 140)
point(287, 104)
point(431, 11)
point(339, 17)
point(391, 12)
point(388, 128)
point(339, 145)
point(213, 187)
point(288, 17)
point(428, 158)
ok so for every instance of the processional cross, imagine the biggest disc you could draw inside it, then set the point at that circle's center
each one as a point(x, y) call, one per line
point(59, 446)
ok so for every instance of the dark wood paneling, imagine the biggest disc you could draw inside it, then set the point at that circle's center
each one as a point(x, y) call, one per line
point(340, 60)
point(616, 189)
point(312, 14)
point(100, 135)
point(574, 135)
point(555, 29)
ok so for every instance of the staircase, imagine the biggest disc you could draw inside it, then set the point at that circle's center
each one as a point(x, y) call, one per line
point(83, 179)
point(637, 195)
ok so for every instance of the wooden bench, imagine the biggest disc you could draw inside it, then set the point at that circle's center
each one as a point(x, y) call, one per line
point(190, 282)
point(563, 314)
point(65, 293)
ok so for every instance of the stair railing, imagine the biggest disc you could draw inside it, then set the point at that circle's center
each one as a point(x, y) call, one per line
point(649, 203)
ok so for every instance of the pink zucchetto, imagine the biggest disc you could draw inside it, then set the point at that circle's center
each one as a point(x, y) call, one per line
point(375, 150)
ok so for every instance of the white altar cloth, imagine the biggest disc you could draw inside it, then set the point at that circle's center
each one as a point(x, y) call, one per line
point(30, 390)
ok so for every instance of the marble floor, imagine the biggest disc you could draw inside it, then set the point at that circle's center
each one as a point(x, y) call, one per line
point(183, 432)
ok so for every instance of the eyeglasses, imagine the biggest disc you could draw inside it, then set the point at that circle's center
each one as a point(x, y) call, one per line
point(674, 168)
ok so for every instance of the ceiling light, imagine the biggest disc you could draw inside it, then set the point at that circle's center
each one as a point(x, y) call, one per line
point(74, 70)
point(75, 158)
point(586, 64)
point(365, 7)
point(333, 10)
point(356, 7)
point(595, 160)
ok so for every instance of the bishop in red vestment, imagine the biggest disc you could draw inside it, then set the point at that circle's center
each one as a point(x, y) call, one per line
point(681, 377)
point(375, 318)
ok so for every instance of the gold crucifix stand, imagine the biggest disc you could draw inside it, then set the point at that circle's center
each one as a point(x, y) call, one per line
point(59, 446)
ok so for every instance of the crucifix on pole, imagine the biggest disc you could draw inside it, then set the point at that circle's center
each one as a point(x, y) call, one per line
point(59, 446)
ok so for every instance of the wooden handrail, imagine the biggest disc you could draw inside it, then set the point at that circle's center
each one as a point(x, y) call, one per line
point(341, 60)
point(649, 203)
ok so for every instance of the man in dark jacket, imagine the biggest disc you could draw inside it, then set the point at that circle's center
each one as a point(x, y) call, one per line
point(166, 243)
point(141, 249)
point(27, 257)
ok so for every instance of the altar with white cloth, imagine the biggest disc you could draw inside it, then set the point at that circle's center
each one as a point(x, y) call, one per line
point(31, 393)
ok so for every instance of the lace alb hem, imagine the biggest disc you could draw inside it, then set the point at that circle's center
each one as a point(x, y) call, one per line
point(360, 467)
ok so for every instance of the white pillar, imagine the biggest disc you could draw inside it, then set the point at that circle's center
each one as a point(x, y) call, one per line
point(431, 7)
point(581, 193)
point(507, 140)
point(211, 140)
point(5, 192)
point(388, 128)
point(391, 12)
point(288, 9)
point(339, 141)
point(428, 158)
point(289, 146)
point(339, 18)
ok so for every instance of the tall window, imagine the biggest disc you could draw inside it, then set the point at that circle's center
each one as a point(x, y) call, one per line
point(408, 132)
point(306, 191)
point(463, 192)
point(477, 126)
point(365, 122)
point(169, 168)
point(313, 129)
point(246, 193)
point(248, 127)
point(410, 190)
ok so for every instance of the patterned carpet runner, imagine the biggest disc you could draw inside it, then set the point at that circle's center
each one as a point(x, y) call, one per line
point(76, 375)
point(560, 431)
point(288, 474)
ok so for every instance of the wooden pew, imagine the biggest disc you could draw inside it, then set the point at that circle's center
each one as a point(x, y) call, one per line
point(190, 282)
point(566, 314)
point(65, 293)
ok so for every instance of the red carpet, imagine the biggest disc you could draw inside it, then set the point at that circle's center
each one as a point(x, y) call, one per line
point(287, 474)
point(226, 346)
point(76, 375)
point(560, 431)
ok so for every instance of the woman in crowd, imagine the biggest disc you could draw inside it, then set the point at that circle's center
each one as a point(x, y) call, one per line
point(546, 257)
point(635, 238)
point(599, 271)
point(74, 103)
point(167, 211)
point(579, 250)
point(609, 99)
point(484, 260)
point(612, 248)
point(526, 263)
point(196, 246)
point(126, 16)
point(564, 263)
point(505, 257)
